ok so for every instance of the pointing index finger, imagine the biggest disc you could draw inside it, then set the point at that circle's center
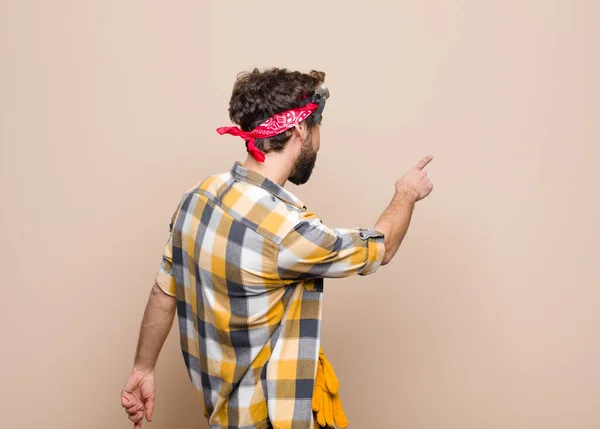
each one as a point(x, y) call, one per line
point(423, 163)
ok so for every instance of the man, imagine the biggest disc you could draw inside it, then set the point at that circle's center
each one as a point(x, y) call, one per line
point(244, 268)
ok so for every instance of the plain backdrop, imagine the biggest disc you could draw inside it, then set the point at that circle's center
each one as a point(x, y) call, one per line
point(489, 316)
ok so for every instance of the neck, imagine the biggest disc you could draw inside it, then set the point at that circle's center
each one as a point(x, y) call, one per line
point(276, 167)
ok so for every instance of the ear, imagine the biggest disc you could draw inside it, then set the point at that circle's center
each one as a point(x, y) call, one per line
point(302, 130)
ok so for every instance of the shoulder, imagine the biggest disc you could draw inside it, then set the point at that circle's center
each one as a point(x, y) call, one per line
point(209, 187)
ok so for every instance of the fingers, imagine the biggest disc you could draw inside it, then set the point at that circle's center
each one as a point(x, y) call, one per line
point(321, 414)
point(138, 398)
point(137, 417)
point(328, 411)
point(423, 163)
point(126, 400)
point(317, 399)
point(338, 412)
point(130, 400)
point(134, 409)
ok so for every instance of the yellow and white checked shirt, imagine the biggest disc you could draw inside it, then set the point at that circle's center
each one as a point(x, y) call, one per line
point(245, 260)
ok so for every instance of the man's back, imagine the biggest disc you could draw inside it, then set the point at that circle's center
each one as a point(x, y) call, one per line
point(243, 261)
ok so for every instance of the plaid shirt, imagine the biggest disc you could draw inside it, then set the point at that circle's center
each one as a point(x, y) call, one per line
point(245, 260)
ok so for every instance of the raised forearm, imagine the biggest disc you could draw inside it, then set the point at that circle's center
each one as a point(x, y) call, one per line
point(394, 222)
point(156, 324)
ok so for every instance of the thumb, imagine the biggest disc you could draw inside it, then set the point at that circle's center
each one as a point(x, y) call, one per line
point(330, 377)
point(149, 408)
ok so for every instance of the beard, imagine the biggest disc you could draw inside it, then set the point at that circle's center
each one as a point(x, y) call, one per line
point(304, 164)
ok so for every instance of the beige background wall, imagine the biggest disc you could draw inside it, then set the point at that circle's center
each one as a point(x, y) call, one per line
point(488, 318)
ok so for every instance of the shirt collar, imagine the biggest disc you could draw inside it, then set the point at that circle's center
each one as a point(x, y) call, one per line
point(254, 178)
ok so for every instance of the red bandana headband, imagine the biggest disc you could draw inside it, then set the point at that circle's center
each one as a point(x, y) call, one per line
point(273, 126)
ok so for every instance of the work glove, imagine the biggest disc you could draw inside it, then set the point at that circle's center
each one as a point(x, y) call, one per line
point(326, 402)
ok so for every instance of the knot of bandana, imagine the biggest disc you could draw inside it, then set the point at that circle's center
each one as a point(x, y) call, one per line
point(273, 126)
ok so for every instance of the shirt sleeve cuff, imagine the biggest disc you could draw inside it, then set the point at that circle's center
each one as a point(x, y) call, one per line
point(375, 250)
point(165, 281)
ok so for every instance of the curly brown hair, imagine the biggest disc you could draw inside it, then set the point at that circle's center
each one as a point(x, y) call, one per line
point(258, 95)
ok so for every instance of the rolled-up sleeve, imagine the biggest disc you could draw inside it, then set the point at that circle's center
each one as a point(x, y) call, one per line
point(164, 278)
point(313, 250)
